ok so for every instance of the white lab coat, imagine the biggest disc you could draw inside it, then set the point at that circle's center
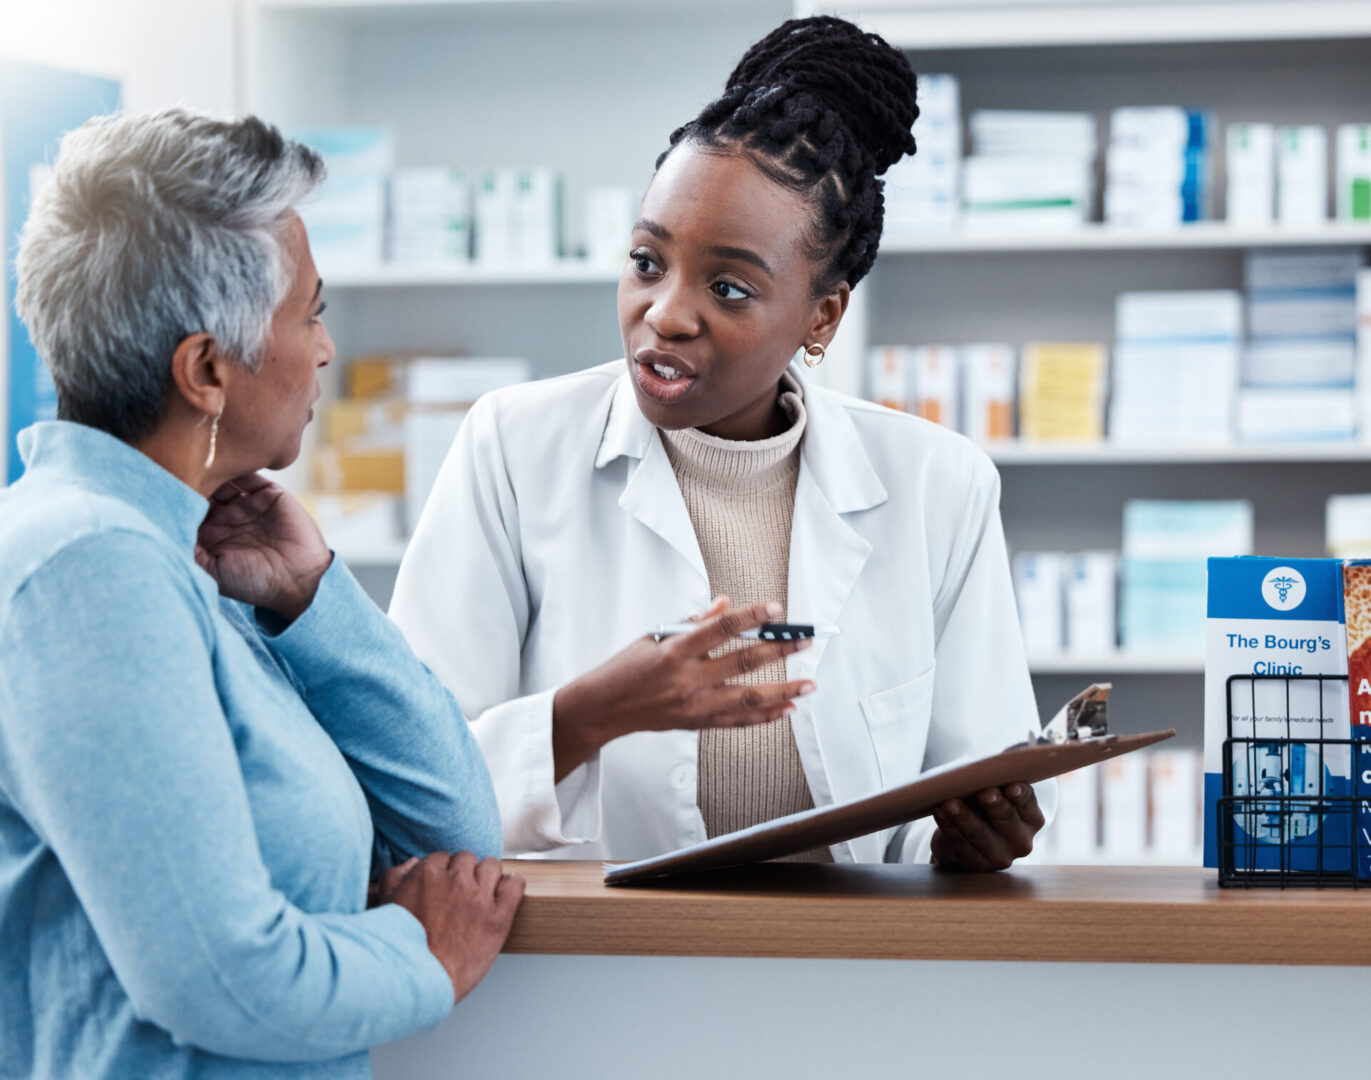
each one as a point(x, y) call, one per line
point(556, 534)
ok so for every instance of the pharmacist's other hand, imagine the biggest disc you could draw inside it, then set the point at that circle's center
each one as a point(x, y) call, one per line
point(262, 547)
point(988, 832)
point(674, 683)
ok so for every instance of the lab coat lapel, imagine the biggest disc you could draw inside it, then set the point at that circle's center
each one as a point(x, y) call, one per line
point(652, 494)
point(827, 555)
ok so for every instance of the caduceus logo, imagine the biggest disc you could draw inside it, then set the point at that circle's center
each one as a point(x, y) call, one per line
point(1283, 588)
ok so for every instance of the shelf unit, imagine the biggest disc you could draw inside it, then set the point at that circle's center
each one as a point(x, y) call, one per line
point(1117, 663)
point(1202, 235)
point(1205, 236)
point(571, 82)
point(457, 275)
point(1109, 453)
point(1010, 24)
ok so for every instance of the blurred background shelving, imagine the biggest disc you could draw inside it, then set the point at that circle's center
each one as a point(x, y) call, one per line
point(582, 85)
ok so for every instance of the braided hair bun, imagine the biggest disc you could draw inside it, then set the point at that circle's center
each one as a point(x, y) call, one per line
point(822, 108)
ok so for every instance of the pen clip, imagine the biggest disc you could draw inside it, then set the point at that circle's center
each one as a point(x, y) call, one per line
point(1085, 716)
point(785, 631)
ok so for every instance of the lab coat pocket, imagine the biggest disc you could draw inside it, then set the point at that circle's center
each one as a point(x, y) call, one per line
point(898, 722)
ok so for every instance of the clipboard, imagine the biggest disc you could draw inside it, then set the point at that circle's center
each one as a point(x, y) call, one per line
point(1074, 739)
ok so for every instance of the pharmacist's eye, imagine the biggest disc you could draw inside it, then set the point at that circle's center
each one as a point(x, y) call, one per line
point(643, 263)
point(726, 290)
point(318, 314)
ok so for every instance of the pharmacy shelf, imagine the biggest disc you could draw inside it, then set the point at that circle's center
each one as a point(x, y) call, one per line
point(567, 272)
point(1202, 235)
point(1106, 453)
point(1118, 663)
point(990, 24)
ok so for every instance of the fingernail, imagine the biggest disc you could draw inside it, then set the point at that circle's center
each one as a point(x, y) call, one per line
point(1014, 791)
point(774, 611)
point(807, 688)
point(803, 644)
point(992, 798)
point(953, 810)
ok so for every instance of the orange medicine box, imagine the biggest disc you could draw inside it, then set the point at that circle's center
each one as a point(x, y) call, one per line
point(359, 469)
point(936, 376)
point(988, 378)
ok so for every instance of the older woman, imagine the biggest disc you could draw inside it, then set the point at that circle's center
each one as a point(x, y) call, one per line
point(210, 740)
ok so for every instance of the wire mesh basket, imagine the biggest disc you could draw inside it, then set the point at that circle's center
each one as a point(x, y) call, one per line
point(1296, 804)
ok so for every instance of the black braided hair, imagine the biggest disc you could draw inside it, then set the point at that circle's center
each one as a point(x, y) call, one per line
point(822, 108)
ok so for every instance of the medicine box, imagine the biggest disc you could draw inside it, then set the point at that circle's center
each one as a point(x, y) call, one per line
point(888, 377)
point(1354, 172)
point(1301, 175)
point(935, 373)
point(1091, 584)
point(1251, 163)
point(988, 375)
point(1038, 590)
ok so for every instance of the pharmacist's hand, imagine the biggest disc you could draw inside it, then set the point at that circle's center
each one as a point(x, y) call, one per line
point(262, 547)
point(988, 832)
point(466, 908)
point(674, 683)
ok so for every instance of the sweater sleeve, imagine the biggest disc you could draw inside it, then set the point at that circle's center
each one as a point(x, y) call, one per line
point(400, 729)
point(977, 627)
point(123, 761)
point(463, 604)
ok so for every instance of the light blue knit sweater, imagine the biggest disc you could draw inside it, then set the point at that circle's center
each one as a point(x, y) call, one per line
point(191, 807)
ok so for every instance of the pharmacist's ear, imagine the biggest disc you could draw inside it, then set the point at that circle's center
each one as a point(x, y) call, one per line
point(828, 313)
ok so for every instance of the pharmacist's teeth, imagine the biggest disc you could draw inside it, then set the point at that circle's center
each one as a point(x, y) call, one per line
point(666, 372)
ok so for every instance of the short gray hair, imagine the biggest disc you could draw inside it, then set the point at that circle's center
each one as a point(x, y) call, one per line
point(153, 228)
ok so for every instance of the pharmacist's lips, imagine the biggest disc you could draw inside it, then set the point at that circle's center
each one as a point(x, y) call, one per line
point(663, 359)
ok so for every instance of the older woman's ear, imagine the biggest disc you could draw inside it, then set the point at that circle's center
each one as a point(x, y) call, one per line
point(199, 372)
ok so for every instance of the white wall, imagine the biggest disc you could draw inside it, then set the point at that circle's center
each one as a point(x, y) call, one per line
point(164, 51)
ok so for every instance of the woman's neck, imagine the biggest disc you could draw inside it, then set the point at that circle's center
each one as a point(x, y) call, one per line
point(765, 419)
point(180, 444)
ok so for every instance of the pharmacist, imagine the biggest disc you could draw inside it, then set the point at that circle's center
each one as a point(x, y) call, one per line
point(575, 515)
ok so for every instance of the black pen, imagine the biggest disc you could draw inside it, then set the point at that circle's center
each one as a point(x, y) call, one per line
point(765, 632)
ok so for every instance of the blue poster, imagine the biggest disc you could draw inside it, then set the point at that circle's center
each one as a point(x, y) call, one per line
point(37, 105)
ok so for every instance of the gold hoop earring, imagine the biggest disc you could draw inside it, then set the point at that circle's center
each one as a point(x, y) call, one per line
point(213, 437)
point(814, 355)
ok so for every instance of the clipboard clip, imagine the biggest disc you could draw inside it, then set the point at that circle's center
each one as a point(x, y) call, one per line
point(1085, 716)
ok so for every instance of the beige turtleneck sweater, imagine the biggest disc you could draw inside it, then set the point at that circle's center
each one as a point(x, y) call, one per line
point(741, 500)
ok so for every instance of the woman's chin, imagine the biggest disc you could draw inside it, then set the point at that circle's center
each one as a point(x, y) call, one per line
point(667, 417)
point(286, 457)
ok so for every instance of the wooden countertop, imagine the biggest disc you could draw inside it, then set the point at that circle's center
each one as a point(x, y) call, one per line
point(1039, 913)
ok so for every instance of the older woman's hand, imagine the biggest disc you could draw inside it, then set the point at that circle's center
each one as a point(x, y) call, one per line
point(465, 905)
point(262, 547)
point(988, 832)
